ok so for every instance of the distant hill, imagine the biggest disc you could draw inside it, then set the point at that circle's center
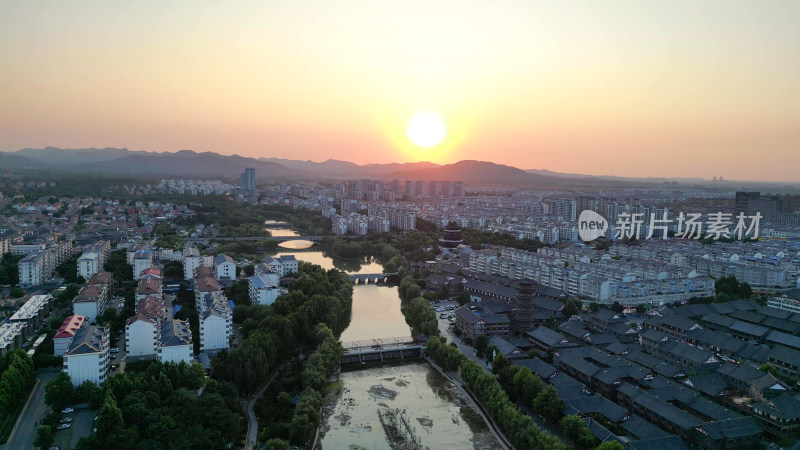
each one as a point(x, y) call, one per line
point(333, 168)
point(483, 172)
point(188, 163)
point(184, 163)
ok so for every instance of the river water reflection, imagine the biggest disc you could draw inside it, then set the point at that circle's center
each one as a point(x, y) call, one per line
point(376, 307)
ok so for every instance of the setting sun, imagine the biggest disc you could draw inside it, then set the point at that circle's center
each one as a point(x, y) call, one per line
point(426, 129)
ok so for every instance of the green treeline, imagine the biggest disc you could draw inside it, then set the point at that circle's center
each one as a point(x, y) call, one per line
point(16, 379)
point(518, 427)
point(158, 408)
point(315, 297)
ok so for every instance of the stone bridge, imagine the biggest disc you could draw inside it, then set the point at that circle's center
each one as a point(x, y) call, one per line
point(367, 278)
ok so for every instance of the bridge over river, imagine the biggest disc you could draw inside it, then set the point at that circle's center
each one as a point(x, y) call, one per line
point(380, 349)
point(367, 278)
point(314, 239)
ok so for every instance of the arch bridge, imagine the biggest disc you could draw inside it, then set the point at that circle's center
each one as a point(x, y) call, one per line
point(367, 278)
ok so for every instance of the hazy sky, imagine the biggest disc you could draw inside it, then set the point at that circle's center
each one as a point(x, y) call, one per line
point(636, 88)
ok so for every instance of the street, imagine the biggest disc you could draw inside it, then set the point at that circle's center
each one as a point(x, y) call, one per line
point(24, 431)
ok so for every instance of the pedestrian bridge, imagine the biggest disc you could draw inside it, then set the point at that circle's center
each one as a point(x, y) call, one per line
point(380, 349)
point(367, 278)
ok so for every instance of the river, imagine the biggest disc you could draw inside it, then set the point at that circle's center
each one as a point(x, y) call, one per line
point(435, 411)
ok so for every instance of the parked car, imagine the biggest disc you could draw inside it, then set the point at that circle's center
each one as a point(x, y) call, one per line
point(66, 419)
point(67, 411)
point(63, 426)
point(114, 350)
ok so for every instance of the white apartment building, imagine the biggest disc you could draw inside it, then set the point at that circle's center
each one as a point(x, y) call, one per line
point(226, 267)
point(91, 301)
point(26, 249)
point(92, 260)
point(33, 269)
point(216, 320)
point(283, 265)
point(86, 359)
point(175, 343)
point(192, 260)
point(141, 335)
point(263, 285)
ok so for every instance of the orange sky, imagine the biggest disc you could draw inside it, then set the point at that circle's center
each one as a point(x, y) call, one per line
point(681, 88)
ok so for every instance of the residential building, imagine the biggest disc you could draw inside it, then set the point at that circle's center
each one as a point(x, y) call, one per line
point(91, 301)
point(263, 286)
point(92, 260)
point(33, 313)
point(142, 259)
point(34, 268)
point(284, 265)
point(11, 336)
point(87, 359)
point(225, 267)
point(63, 338)
point(175, 342)
point(216, 320)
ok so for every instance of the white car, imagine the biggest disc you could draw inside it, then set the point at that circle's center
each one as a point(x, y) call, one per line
point(66, 420)
point(63, 426)
point(67, 411)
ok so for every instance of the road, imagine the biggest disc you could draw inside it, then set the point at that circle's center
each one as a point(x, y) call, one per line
point(24, 431)
point(252, 421)
point(467, 350)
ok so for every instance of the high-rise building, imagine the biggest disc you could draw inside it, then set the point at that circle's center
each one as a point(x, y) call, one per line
point(409, 189)
point(446, 189)
point(395, 187)
point(249, 179)
point(743, 200)
point(433, 189)
point(458, 189)
point(419, 189)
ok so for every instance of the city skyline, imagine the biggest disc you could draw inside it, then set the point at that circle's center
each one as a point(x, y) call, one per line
point(645, 90)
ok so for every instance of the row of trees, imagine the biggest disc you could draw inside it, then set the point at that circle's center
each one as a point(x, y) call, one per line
point(16, 379)
point(9, 269)
point(319, 366)
point(517, 426)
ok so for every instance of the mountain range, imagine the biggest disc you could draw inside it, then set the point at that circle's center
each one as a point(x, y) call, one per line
point(188, 163)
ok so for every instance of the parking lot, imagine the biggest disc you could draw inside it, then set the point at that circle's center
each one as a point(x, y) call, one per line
point(82, 425)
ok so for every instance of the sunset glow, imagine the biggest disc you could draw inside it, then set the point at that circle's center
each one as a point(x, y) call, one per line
point(565, 86)
point(426, 129)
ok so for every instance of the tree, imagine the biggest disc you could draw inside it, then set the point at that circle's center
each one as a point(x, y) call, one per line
point(174, 270)
point(610, 445)
point(463, 298)
point(59, 392)
point(481, 344)
point(570, 309)
point(617, 307)
point(44, 436)
point(16, 293)
point(548, 405)
point(276, 444)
